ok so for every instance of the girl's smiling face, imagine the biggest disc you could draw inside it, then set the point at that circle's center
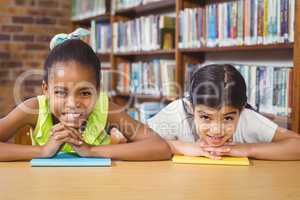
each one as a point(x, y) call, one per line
point(71, 91)
point(216, 126)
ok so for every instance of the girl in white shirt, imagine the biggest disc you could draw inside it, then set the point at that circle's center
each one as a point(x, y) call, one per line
point(215, 120)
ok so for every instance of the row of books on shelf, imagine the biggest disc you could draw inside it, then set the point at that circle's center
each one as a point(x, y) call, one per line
point(89, 8)
point(156, 78)
point(106, 77)
point(82, 9)
point(100, 38)
point(144, 34)
point(144, 111)
point(124, 4)
point(269, 89)
point(240, 22)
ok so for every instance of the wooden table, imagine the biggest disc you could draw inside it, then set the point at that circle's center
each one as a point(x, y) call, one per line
point(152, 180)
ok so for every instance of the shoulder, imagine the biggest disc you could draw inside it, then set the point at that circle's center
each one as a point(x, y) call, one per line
point(175, 107)
point(30, 109)
point(173, 111)
point(254, 127)
point(116, 113)
point(112, 107)
point(32, 103)
point(173, 122)
point(26, 113)
point(252, 117)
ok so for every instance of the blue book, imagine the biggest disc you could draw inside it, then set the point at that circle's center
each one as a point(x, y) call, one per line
point(70, 160)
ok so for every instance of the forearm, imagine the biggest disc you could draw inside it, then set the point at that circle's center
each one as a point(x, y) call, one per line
point(287, 149)
point(16, 152)
point(176, 147)
point(142, 150)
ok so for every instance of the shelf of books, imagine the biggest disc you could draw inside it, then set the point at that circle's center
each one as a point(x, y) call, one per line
point(85, 11)
point(140, 7)
point(144, 54)
point(153, 46)
point(239, 48)
point(249, 26)
point(147, 53)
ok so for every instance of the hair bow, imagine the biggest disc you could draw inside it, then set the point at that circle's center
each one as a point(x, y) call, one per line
point(62, 37)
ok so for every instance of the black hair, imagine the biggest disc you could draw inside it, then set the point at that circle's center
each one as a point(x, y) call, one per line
point(217, 85)
point(73, 50)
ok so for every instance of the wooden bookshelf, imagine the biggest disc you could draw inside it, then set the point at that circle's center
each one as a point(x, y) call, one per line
point(296, 85)
point(183, 56)
point(147, 53)
point(239, 48)
point(87, 21)
point(105, 54)
point(146, 96)
point(147, 8)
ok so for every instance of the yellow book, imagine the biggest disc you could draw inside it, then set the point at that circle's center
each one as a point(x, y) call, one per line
point(203, 160)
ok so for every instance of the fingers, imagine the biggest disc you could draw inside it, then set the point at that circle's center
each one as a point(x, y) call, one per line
point(215, 153)
point(66, 136)
point(211, 155)
point(75, 134)
point(217, 149)
point(57, 127)
point(72, 132)
point(61, 135)
point(72, 141)
point(117, 137)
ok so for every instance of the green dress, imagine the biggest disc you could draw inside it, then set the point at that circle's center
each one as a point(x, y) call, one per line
point(94, 133)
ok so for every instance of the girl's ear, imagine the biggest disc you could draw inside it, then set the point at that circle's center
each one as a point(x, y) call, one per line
point(45, 88)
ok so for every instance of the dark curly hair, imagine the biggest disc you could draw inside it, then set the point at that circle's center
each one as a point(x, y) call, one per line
point(73, 50)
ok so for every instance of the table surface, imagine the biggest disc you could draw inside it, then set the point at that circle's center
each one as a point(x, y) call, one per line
point(152, 180)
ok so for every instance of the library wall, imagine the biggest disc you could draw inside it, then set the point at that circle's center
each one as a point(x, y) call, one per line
point(26, 27)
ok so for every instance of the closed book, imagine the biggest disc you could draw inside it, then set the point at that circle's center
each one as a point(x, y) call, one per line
point(70, 160)
point(203, 160)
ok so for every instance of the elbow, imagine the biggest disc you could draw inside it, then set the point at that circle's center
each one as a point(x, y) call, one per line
point(165, 150)
point(296, 142)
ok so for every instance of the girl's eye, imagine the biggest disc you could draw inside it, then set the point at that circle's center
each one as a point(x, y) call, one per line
point(228, 119)
point(85, 93)
point(60, 93)
point(204, 117)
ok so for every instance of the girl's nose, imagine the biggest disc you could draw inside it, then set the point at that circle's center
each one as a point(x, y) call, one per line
point(71, 102)
point(216, 129)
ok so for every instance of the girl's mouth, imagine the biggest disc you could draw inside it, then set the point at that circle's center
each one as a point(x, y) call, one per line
point(215, 139)
point(72, 117)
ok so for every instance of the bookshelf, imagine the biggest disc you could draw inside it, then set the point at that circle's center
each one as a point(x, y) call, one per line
point(183, 56)
point(148, 8)
point(87, 21)
point(146, 97)
point(147, 53)
point(239, 48)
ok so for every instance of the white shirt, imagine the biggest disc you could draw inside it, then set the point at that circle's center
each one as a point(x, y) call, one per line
point(172, 123)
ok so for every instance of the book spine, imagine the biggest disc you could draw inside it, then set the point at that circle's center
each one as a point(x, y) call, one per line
point(247, 22)
point(265, 29)
point(240, 10)
point(291, 20)
point(290, 90)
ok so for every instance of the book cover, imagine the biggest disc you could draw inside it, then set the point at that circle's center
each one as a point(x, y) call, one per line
point(70, 160)
point(244, 161)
